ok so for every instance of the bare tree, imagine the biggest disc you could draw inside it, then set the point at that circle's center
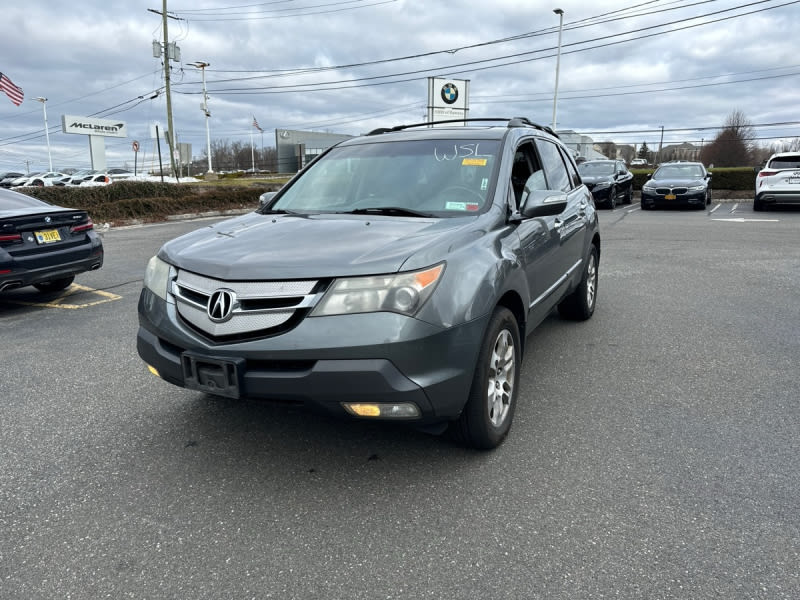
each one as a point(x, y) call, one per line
point(734, 145)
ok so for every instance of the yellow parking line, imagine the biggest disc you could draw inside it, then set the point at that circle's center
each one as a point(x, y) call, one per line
point(73, 289)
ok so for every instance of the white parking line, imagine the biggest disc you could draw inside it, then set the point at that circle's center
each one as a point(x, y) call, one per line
point(743, 220)
point(713, 210)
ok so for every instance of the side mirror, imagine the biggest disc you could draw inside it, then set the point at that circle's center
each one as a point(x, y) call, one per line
point(542, 203)
point(265, 198)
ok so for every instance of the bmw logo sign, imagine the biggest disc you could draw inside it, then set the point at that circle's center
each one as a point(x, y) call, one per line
point(449, 93)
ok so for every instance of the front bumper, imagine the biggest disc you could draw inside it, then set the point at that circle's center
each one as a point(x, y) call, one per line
point(322, 362)
point(652, 199)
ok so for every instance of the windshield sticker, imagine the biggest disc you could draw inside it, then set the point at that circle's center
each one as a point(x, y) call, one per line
point(484, 184)
point(457, 151)
point(463, 206)
point(474, 162)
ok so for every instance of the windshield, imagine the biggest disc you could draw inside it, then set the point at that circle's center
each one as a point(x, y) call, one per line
point(425, 178)
point(680, 172)
point(588, 169)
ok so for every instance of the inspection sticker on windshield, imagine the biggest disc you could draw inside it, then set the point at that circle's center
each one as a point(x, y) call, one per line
point(468, 206)
point(474, 162)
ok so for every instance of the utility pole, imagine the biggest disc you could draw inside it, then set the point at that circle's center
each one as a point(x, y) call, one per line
point(167, 57)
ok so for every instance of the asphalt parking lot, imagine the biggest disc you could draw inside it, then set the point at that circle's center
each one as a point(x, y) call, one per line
point(654, 452)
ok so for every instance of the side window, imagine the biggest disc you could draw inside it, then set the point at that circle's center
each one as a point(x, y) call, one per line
point(526, 163)
point(554, 167)
point(572, 169)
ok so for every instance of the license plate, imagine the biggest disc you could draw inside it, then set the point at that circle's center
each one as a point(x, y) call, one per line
point(793, 180)
point(47, 237)
point(670, 197)
point(212, 376)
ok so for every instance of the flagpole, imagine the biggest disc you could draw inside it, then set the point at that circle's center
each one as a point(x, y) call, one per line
point(252, 151)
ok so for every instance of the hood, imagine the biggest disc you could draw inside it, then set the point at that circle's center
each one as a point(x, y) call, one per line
point(677, 182)
point(256, 246)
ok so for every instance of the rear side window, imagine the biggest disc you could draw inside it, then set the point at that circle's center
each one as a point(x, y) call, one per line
point(785, 162)
point(554, 167)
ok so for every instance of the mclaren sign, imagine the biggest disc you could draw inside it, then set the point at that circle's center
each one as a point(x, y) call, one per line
point(89, 126)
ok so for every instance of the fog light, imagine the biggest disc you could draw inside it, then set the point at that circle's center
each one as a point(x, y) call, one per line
point(153, 370)
point(404, 410)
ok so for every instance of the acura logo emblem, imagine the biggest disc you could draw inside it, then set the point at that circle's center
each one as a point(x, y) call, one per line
point(220, 305)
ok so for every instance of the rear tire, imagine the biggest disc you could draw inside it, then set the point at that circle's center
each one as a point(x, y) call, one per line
point(758, 206)
point(579, 305)
point(56, 285)
point(487, 415)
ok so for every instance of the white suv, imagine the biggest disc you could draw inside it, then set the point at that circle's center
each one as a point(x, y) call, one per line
point(779, 181)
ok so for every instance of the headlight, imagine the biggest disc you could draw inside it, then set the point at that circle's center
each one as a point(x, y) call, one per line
point(602, 185)
point(403, 293)
point(697, 188)
point(649, 186)
point(156, 277)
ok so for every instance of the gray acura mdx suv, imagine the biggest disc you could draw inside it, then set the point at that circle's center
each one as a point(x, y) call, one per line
point(396, 277)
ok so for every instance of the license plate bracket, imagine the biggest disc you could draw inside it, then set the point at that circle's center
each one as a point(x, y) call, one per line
point(212, 375)
point(47, 236)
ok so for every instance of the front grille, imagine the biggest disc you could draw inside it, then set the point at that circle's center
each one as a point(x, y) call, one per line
point(259, 308)
point(677, 191)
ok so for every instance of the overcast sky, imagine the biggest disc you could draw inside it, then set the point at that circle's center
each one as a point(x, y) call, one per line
point(626, 69)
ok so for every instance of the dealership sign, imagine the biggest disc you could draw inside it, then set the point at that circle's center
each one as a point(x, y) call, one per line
point(447, 98)
point(90, 126)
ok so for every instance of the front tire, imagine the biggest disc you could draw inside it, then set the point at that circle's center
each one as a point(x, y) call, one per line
point(612, 199)
point(56, 285)
point(487, 415)
point(579, 305)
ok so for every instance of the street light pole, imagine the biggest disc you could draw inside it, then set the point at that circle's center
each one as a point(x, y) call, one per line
point(660, 144)
point(46, 129)
point(202, 66)
point(560, 14)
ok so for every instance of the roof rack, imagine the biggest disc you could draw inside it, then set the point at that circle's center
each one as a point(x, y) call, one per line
point(512, 122)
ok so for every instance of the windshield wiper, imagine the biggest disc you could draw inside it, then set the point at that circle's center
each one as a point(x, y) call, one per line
point(388, 210)
point(279, 211)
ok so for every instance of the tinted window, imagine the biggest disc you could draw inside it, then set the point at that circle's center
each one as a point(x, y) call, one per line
point(572, 170)
point(526, 163)
point(592, 169)
point(554, 168)
point(785, 162)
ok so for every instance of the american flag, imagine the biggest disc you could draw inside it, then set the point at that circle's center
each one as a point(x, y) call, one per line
point(11, 90)
point(255, 124)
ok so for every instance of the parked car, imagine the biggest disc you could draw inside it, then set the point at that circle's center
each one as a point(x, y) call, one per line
point(779, 181)
point(7, 177)
point(396, 277)
point(76, 178)
point(44, 245)
point(38, 179)
point(608, 180)
point(22, 179)
point(97, 179)
point(678, 184)
point(116, 173)
point(638, 162)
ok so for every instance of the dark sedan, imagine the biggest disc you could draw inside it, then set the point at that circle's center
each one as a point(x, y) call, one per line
point(44, 245)
point(608, 180)
point(678, 184)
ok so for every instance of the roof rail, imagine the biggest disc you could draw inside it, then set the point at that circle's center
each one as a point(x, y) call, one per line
point(512, 122)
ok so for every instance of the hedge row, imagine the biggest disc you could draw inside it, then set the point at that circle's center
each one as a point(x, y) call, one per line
point(730, 178)
point(125, 201)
